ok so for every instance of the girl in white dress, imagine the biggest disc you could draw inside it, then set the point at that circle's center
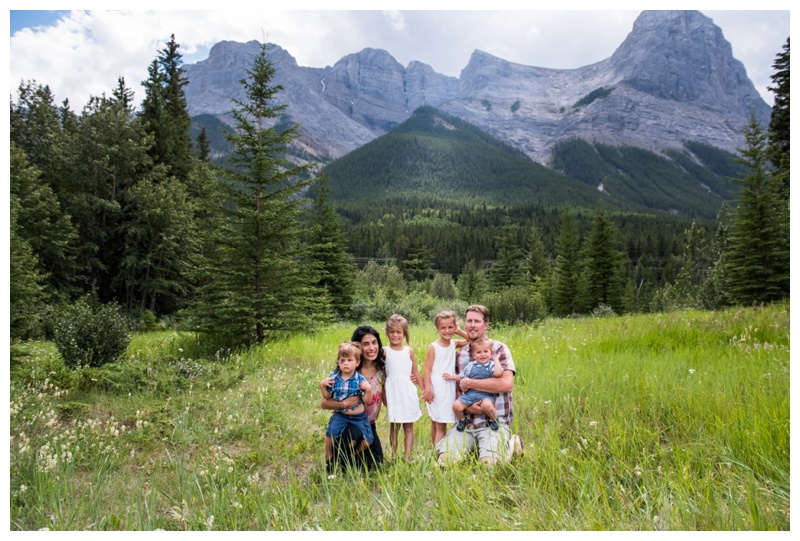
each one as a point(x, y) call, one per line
point(402, 400)
point(440, 359)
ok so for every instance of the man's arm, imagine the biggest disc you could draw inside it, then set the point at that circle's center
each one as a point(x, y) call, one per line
point(349, 402)
point(503, 384)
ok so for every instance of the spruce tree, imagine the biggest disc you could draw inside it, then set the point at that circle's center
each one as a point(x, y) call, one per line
point(165, 114)
point(757, 266)
point(328, 252)
point(507, 271)
point(779, 120)
point(566, 290)
point(203, 146)
point(44, 227)
point(159, 236)
point(604, 264)
point(536, 265)
point(253, 279)
point(26, 282)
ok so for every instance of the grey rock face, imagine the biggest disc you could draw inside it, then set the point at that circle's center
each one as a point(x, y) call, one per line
point(674, 78)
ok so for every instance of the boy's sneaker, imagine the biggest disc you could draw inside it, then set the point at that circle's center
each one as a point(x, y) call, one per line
point(460, 425)
point(493, 424)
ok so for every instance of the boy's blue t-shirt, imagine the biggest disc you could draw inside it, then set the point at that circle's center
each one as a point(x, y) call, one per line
point(345, 388)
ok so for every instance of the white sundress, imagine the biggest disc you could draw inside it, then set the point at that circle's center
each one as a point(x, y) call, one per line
point(402, 400)
point(444, 392)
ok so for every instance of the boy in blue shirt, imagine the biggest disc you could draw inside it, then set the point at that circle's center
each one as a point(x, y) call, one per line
point(345, 382)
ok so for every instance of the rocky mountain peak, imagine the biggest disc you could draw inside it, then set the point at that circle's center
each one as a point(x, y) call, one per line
point(672, 79)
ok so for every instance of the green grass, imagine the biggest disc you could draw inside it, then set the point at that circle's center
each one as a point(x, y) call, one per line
point(676, 421)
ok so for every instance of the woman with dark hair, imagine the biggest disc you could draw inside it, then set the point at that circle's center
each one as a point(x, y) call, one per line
point(373, 368)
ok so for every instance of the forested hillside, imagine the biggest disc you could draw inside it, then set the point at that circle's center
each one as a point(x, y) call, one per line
point(231, 231)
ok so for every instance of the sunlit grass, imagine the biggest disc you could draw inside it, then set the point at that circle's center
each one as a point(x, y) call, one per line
point(675, 421)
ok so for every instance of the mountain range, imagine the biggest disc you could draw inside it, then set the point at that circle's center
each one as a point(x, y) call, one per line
point(672, 80)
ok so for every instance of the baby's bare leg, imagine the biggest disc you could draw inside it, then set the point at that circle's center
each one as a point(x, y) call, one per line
point(458, 409)
point(488, 408)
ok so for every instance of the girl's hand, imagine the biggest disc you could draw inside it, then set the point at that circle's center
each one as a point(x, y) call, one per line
point(427, 395)
point(414, 379)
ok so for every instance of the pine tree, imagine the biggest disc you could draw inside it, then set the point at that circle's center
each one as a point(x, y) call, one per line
point(757, 264)
point(203, 146)
point(603, 262)
point(26, 288)
point(44, 227)
point(165, 114)
point(779, 120)
point(566, 290)
point(328, 252)
point(159, 237)
point(254, 280)
point(536, 265)
point(507, 271)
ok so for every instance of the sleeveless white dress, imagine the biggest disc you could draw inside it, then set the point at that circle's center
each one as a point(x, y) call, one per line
point(444, 392)
point(402, 400)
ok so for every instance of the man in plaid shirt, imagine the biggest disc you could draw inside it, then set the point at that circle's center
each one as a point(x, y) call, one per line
point(492, 445)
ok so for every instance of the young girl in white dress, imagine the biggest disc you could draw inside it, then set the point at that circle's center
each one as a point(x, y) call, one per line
point(402, 400)
point(440, 359)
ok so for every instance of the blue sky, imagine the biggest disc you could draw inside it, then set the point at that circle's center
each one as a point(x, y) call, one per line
point(83, 53)
point(27, 18)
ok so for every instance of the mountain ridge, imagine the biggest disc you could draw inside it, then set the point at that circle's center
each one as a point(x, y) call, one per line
point(672, 79)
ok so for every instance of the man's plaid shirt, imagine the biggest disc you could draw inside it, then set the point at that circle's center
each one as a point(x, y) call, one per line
point(501, 354)
point(345, 388)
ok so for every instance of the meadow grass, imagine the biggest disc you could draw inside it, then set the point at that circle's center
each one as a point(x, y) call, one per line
point(674, 421)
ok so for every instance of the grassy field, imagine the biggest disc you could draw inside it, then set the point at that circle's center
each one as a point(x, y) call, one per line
point(676, 421)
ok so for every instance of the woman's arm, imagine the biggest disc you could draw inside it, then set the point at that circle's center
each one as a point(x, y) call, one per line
point(349, 402)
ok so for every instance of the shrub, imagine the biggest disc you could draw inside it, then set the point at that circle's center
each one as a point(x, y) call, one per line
point(90, 334)
point(516, 304)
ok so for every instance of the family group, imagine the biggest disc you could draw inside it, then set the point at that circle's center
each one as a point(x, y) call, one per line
point(467, 383)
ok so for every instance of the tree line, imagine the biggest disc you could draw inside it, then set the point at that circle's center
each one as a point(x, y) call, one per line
point(120, 205)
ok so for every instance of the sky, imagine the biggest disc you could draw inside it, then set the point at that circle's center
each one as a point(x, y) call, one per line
point(82, 53)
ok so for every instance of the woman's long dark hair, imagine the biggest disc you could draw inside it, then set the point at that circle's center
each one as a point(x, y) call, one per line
point(361, 332)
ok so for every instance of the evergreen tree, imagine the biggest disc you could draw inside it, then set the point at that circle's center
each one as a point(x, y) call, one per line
point(44, 227)
point(566, 290)
point(507, 271)
point(416, 262)
point(757, 264)
point(111, 157)
point(604, 264)
point(642, 286)
point(328, 252)
point(779, 121)
point(164, 111)
point(472, 283)
point(26, 291)
point(714, 294)
point(203, 146)
point(159, 237)
point(536, 265)
point(255, 281)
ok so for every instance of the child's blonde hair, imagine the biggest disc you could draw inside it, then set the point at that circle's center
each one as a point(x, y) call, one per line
point(480, 343)
point(445, 314)
point(396, 320)
point(350, 350)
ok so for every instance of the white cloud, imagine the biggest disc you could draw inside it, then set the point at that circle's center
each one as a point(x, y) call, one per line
point(86, 51)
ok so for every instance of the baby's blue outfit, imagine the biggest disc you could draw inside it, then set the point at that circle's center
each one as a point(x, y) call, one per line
point(476, 370)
